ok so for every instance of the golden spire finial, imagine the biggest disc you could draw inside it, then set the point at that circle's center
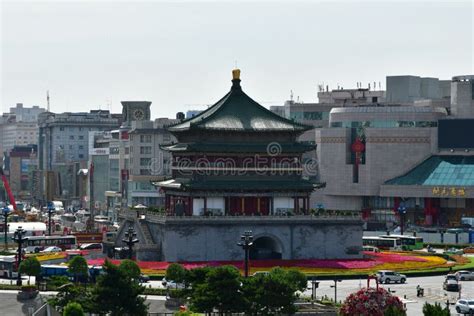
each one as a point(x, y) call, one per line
point(236, 74)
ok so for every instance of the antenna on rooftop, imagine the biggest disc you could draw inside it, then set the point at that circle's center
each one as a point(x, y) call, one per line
point(291, 95)
point(109, 104)
point(47, 99)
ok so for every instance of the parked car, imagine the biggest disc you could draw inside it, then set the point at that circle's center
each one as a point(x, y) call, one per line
point(464, 306)
point(387, 276)
point(264, 273)
point(451, 283)
point(370, 249)
point(93, 246)
point(454, 251)
point(172, 284)
point(465, 275)
point(51, 249)
point(468, 249)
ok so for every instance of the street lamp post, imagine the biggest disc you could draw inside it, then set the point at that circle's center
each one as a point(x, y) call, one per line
point(130, 239)
point(402, 210)
point(50, 210)
point(246, 241)
point(19, 237)
point(6, 212)
point(335, 289)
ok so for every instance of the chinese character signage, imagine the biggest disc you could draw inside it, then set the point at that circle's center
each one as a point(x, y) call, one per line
point(449, 191)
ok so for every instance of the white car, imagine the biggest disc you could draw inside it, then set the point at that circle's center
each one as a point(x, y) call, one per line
point(171, 284)
point(465, 275)
point(52, 249)
point(464, 306)
point(387, 276)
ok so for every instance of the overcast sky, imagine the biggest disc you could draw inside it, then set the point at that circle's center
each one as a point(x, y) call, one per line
point(179, 55)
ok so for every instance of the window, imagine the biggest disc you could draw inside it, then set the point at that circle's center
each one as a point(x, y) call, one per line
point(145, 150)
point(145, 138)
point(81, 137)
point(71, 147)
point(166, 137)
point(81, 147)
point(81, 156)
point(144, 172)
point(71, 137)
point(145, 161)
point(61, 128)
point(80, 128)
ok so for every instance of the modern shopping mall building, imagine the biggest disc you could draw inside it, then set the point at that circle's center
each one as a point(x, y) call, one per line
point(417, 158)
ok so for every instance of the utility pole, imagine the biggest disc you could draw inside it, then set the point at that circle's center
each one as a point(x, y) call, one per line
point(6, 212)
point(130, 239)
point(50, 210)
point(246, 241)
point(19, 237)
point(335, 289)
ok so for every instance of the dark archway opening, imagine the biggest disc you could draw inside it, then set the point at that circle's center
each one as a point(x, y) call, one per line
point(265, 248)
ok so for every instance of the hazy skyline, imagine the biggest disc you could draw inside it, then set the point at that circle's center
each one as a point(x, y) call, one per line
point(179, 55)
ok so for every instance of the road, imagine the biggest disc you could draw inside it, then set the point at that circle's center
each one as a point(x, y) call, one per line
point(407, 292)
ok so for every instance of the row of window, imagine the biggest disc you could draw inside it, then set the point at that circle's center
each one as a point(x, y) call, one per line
point(72, 137)
point(384, 124)
point(309, 116)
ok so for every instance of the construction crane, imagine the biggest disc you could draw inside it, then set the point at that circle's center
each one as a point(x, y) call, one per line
point(7, 188)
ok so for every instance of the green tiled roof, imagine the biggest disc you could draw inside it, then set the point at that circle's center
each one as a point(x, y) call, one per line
point(237, 111)
point(440, 170)
point(244, 185)
point(237, 148)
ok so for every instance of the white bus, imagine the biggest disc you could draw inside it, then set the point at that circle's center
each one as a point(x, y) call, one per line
point(382, 243)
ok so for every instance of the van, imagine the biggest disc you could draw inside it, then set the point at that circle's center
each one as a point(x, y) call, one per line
point(93, 246)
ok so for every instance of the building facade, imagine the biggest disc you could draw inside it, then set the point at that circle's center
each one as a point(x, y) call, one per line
point(411, 159)
point(63, 150)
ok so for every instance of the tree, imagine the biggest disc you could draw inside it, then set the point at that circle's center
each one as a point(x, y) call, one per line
point(221, 290)
point(435, 310)
point(176, 273)
point(73, 309)
point(274, 293)
point(78, 267)
point(69, 293)
point(31, 267)
point(130, 268)
point(117, 294)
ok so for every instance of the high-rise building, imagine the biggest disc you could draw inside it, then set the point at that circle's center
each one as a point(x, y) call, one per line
point(63, 149)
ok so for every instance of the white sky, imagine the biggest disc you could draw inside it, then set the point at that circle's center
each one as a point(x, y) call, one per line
point(179, 55)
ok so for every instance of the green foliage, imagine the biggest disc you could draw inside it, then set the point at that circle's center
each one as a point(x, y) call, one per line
point(176, 273)
point(73, 309)
point(435, 310)
point(78, 267)
point(31, 267)
point(394, 311)
point(69, 293)
point(220, 290)
point(116, 294)
point(130, 268)
point(57, 280)
point(273, 293)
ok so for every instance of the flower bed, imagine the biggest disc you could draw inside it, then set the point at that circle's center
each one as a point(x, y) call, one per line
point(50, 256)
point(372, 263)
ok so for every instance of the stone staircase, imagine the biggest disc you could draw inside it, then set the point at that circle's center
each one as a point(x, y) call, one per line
point(146, 233)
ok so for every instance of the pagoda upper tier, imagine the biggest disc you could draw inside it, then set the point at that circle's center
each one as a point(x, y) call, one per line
point(236, 111)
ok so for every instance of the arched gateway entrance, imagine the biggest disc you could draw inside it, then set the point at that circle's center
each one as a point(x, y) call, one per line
point(265, 248)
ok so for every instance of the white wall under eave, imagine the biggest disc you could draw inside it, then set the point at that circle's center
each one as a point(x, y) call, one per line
point(283, 202)
point(216, 202)
point(198, 206)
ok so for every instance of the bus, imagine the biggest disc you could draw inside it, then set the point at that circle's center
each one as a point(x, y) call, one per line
point(382, 243)
point(37, 243)
point(408, 242)
point(8, 267)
